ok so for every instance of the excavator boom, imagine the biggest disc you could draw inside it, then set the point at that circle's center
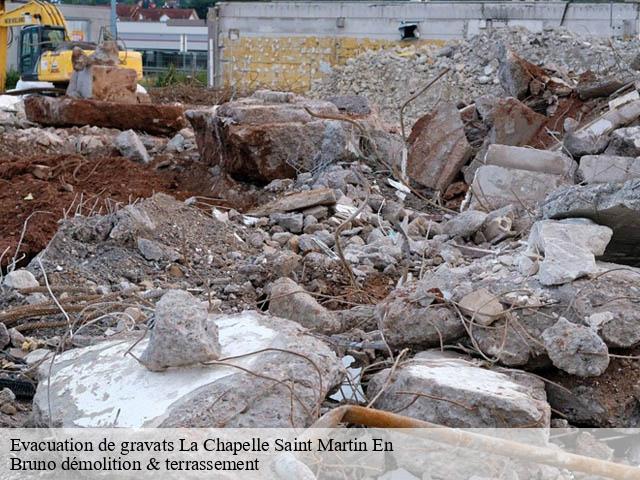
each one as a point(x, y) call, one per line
point(35, 12)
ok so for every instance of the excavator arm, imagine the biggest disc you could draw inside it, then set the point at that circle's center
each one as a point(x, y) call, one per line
point(35, 12)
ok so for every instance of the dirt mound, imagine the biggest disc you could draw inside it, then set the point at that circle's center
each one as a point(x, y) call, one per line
point(75, 185)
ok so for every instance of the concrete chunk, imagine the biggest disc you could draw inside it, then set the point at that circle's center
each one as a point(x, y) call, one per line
point(494, 187)
point(451, 391)
point(608, 168)
point(130, 146)
point(569, 248)
point(612, 204)
point(297, 201)
point(438, 148)
point(542, 161)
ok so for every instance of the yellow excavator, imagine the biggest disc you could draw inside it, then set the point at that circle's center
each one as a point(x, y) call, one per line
point(45, 47)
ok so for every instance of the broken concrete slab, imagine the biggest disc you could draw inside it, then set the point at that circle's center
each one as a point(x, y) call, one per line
point(612, 204)
point(452, 391)
point(273, 135)
point(297, 201)
point(576, 349)
point(438, 147)
point(608, 168)
point(624, 142)
point(68, 112)
point(531, 159)
point(494, 187)
point(180, 335)
point(130, 146)
point(100, 386)
point(569, 248)
point(289, 300)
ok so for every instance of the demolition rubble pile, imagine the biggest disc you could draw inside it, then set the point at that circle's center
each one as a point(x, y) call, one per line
point(388, 77)
point(515, 305)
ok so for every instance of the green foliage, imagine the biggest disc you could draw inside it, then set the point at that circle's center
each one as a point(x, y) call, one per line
point(12, 78)
point(173, 76)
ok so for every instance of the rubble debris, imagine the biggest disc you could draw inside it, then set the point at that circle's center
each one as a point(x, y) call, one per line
point(180, 335)
point(67, 112)
point(614, 205)
point(569, 247)
point(273, 135)
point(98, 386)
point(438, 148)
point(297, 201)
point(608, 169)
point(448, 390)
point(289, 300)
point(129, 145)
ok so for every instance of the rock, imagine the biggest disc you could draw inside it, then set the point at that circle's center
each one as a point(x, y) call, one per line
point(494, 187)
point(129, 145)
point(181, 335)
point(482, 306)
point(465, 224)
point(451, 391)
point(543, 161)
point(512, 122)
point(155, 251)
point(17, 339)
point(583, 143)
point(624, 142)
point(19, 279)
point(569, 248)
point(100, 386)
point(408, 316)
point(438, 148)
point(615, 205)
point(292, 222)
point(260, 139)
point(5, 338)
point(297, 201)
point(289, 300)
point(154, 119)
point(7, 396)
point(608, 168)
point(576, 349)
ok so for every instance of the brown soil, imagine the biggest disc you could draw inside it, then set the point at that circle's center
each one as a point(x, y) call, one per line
point(77, 185)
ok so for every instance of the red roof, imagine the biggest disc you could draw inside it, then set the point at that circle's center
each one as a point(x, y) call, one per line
point(135, 13)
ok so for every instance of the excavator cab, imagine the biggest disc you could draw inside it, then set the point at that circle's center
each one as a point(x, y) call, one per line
point(34, 41)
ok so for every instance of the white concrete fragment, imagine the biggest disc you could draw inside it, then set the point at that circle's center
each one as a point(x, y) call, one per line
point(569, 248)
